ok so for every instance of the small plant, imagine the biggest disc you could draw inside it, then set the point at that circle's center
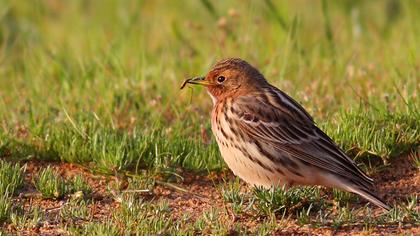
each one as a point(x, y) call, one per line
point(412, 202)
point(138, 215)
point(279, 199)
point(272, 201)
point(407, 212)
point(209, 223)
point(233, 195)
point(5, 206)
point(211, 215)
point(163, 207)
point(79, 184)
point(113, 151)
point(50, 184)
point(146, 218)
point(416, 159)
point(28, 219)
point(75, 210)
point(270, 225)
point(132, 210)
point(303, 216)
point(343, 197)
point(396, 214)
point(200, 224)
point(370, 220)
point(411, 208)
point(96, 228)
point(141, 182)
point(344, 216)
point(11, 177)
point(207, 220)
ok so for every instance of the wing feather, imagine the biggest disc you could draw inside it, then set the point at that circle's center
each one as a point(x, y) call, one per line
point(293, 132)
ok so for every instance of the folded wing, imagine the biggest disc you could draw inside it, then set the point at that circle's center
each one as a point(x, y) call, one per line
point(277, 120)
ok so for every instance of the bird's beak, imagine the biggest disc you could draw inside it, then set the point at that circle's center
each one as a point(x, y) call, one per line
point(196, 80)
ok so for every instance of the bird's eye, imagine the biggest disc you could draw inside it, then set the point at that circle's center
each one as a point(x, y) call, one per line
point(220, 79)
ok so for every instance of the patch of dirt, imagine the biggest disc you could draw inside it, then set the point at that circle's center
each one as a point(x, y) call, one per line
point(400, 180)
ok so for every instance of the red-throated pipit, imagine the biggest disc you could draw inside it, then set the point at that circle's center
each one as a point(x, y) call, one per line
point(268, 139)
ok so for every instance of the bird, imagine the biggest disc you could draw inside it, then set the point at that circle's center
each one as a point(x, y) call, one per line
point(269, 140)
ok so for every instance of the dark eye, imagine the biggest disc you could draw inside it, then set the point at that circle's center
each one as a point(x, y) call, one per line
point(220, 79)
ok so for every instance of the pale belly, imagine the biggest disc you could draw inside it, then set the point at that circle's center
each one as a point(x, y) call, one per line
point(246, 161)
point(246, 166)
point(265, 173)
point(250, 171)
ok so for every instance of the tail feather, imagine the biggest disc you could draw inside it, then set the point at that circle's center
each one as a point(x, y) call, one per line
point(357, 186)
point(370, 196)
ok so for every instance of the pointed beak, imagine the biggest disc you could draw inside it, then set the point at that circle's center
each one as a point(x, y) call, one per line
point(196, 80)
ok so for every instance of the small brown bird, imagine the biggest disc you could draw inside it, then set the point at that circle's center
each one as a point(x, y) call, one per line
point(268, 139)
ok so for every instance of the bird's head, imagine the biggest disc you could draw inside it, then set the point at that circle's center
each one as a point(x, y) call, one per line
point(230, 77)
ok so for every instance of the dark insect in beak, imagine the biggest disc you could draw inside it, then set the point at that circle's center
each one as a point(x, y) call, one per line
point(196, 80)
point(185, 83)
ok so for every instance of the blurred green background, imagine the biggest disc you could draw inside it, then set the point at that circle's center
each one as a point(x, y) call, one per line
point(99, 80)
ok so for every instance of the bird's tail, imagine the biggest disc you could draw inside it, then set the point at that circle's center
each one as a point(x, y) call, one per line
point(369, 195)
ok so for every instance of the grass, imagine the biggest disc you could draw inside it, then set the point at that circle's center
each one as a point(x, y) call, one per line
point(5, 206)
point(96, 83)
point(106, 228)
point(11, 177)
point(279, 200)
point(377, 132)
point(415, 158)
point(50, 184)
point(27, 219)
point(137, 110)
point(74, 211)
point(79, 184)
point(137, 215)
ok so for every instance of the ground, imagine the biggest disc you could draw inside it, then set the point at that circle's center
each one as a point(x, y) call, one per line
point(196, 194)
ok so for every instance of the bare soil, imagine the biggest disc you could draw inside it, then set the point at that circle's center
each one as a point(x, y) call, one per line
point(395, 183)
